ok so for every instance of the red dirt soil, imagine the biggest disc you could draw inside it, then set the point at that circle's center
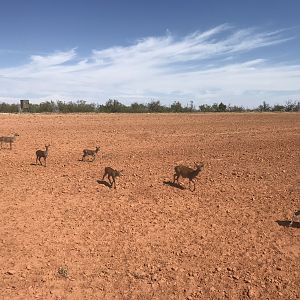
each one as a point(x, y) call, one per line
point(65, 234)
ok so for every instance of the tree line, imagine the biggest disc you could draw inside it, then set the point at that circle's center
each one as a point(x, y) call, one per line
point(115, 106)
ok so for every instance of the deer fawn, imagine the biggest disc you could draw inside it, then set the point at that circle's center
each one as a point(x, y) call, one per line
point(8, 139)
point(87, 152)
point(42, 153)
point(186, 172)
point(111, 173)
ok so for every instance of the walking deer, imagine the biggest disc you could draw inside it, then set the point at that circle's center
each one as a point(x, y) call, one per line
point(42, 154)
point(8, 139)
point(186, 172)
point(111, 173)
point(88, 152)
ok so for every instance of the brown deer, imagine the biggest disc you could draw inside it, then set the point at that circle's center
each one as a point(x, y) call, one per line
point(186, 172)
point(8, 139)
point(295, 215)
point(111, 173)
point(88, 152)
point(42, 154)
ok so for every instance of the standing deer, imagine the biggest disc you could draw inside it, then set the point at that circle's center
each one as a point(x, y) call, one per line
point(186, 172)
point(295, 215)
point(111, 173)
point(8, 139)
point(42, 153)
point(88, 152)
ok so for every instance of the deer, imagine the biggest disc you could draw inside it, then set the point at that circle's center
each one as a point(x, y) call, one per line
point(8, 139)
point(186, 172)
point(111, 173)
point(42, 154)
point(88, 152)
point(295, 215)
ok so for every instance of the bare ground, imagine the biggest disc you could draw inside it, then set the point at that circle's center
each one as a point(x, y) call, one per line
point(65, 234)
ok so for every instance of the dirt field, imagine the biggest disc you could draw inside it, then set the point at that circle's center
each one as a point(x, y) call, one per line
point(65, 234)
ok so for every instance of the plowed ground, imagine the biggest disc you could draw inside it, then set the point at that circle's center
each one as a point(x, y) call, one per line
point(65, 234)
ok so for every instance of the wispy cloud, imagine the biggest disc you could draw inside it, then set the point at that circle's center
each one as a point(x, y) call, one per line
point(54, 59)
point(216, 64)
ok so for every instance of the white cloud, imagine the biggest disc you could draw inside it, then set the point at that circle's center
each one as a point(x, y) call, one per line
point(56, 58)
point(203, 66)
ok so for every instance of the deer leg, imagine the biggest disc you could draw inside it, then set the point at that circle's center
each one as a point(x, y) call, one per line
point(292, 221)
point(111, 183)
point(94, 157)
point(176, 178)
point(190, 185)
point(104, 176)
point(45, 161)
point(114, 182)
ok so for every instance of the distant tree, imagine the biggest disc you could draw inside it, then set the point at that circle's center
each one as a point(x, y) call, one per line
point(291, 106)
point(114, 106)
point(176, 107)
point(215, 107)
point(137, 108)
point(155, 106)
point(83, 106)
point(191, 107)
point(222, 107)
point(8, 108)
point(71, 107)
point(235, 108)
point(46, 106)
point(205, 108)
point(64, 107)
point(278, 107)
point(100, 108)
point(34, 108)
point(266, 106)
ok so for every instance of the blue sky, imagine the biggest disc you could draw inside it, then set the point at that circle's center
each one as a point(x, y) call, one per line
point(238, 52)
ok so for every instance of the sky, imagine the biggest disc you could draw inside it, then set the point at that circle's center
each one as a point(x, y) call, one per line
point(237, 52)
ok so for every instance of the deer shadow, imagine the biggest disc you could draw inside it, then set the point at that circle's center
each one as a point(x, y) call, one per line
point(6, 149)
point(103, 182)
point(86, 160)
point(34, 164)
point(174, 184)
point(287, 224)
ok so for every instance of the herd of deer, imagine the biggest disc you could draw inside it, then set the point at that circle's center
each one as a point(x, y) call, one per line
point(180, 170)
